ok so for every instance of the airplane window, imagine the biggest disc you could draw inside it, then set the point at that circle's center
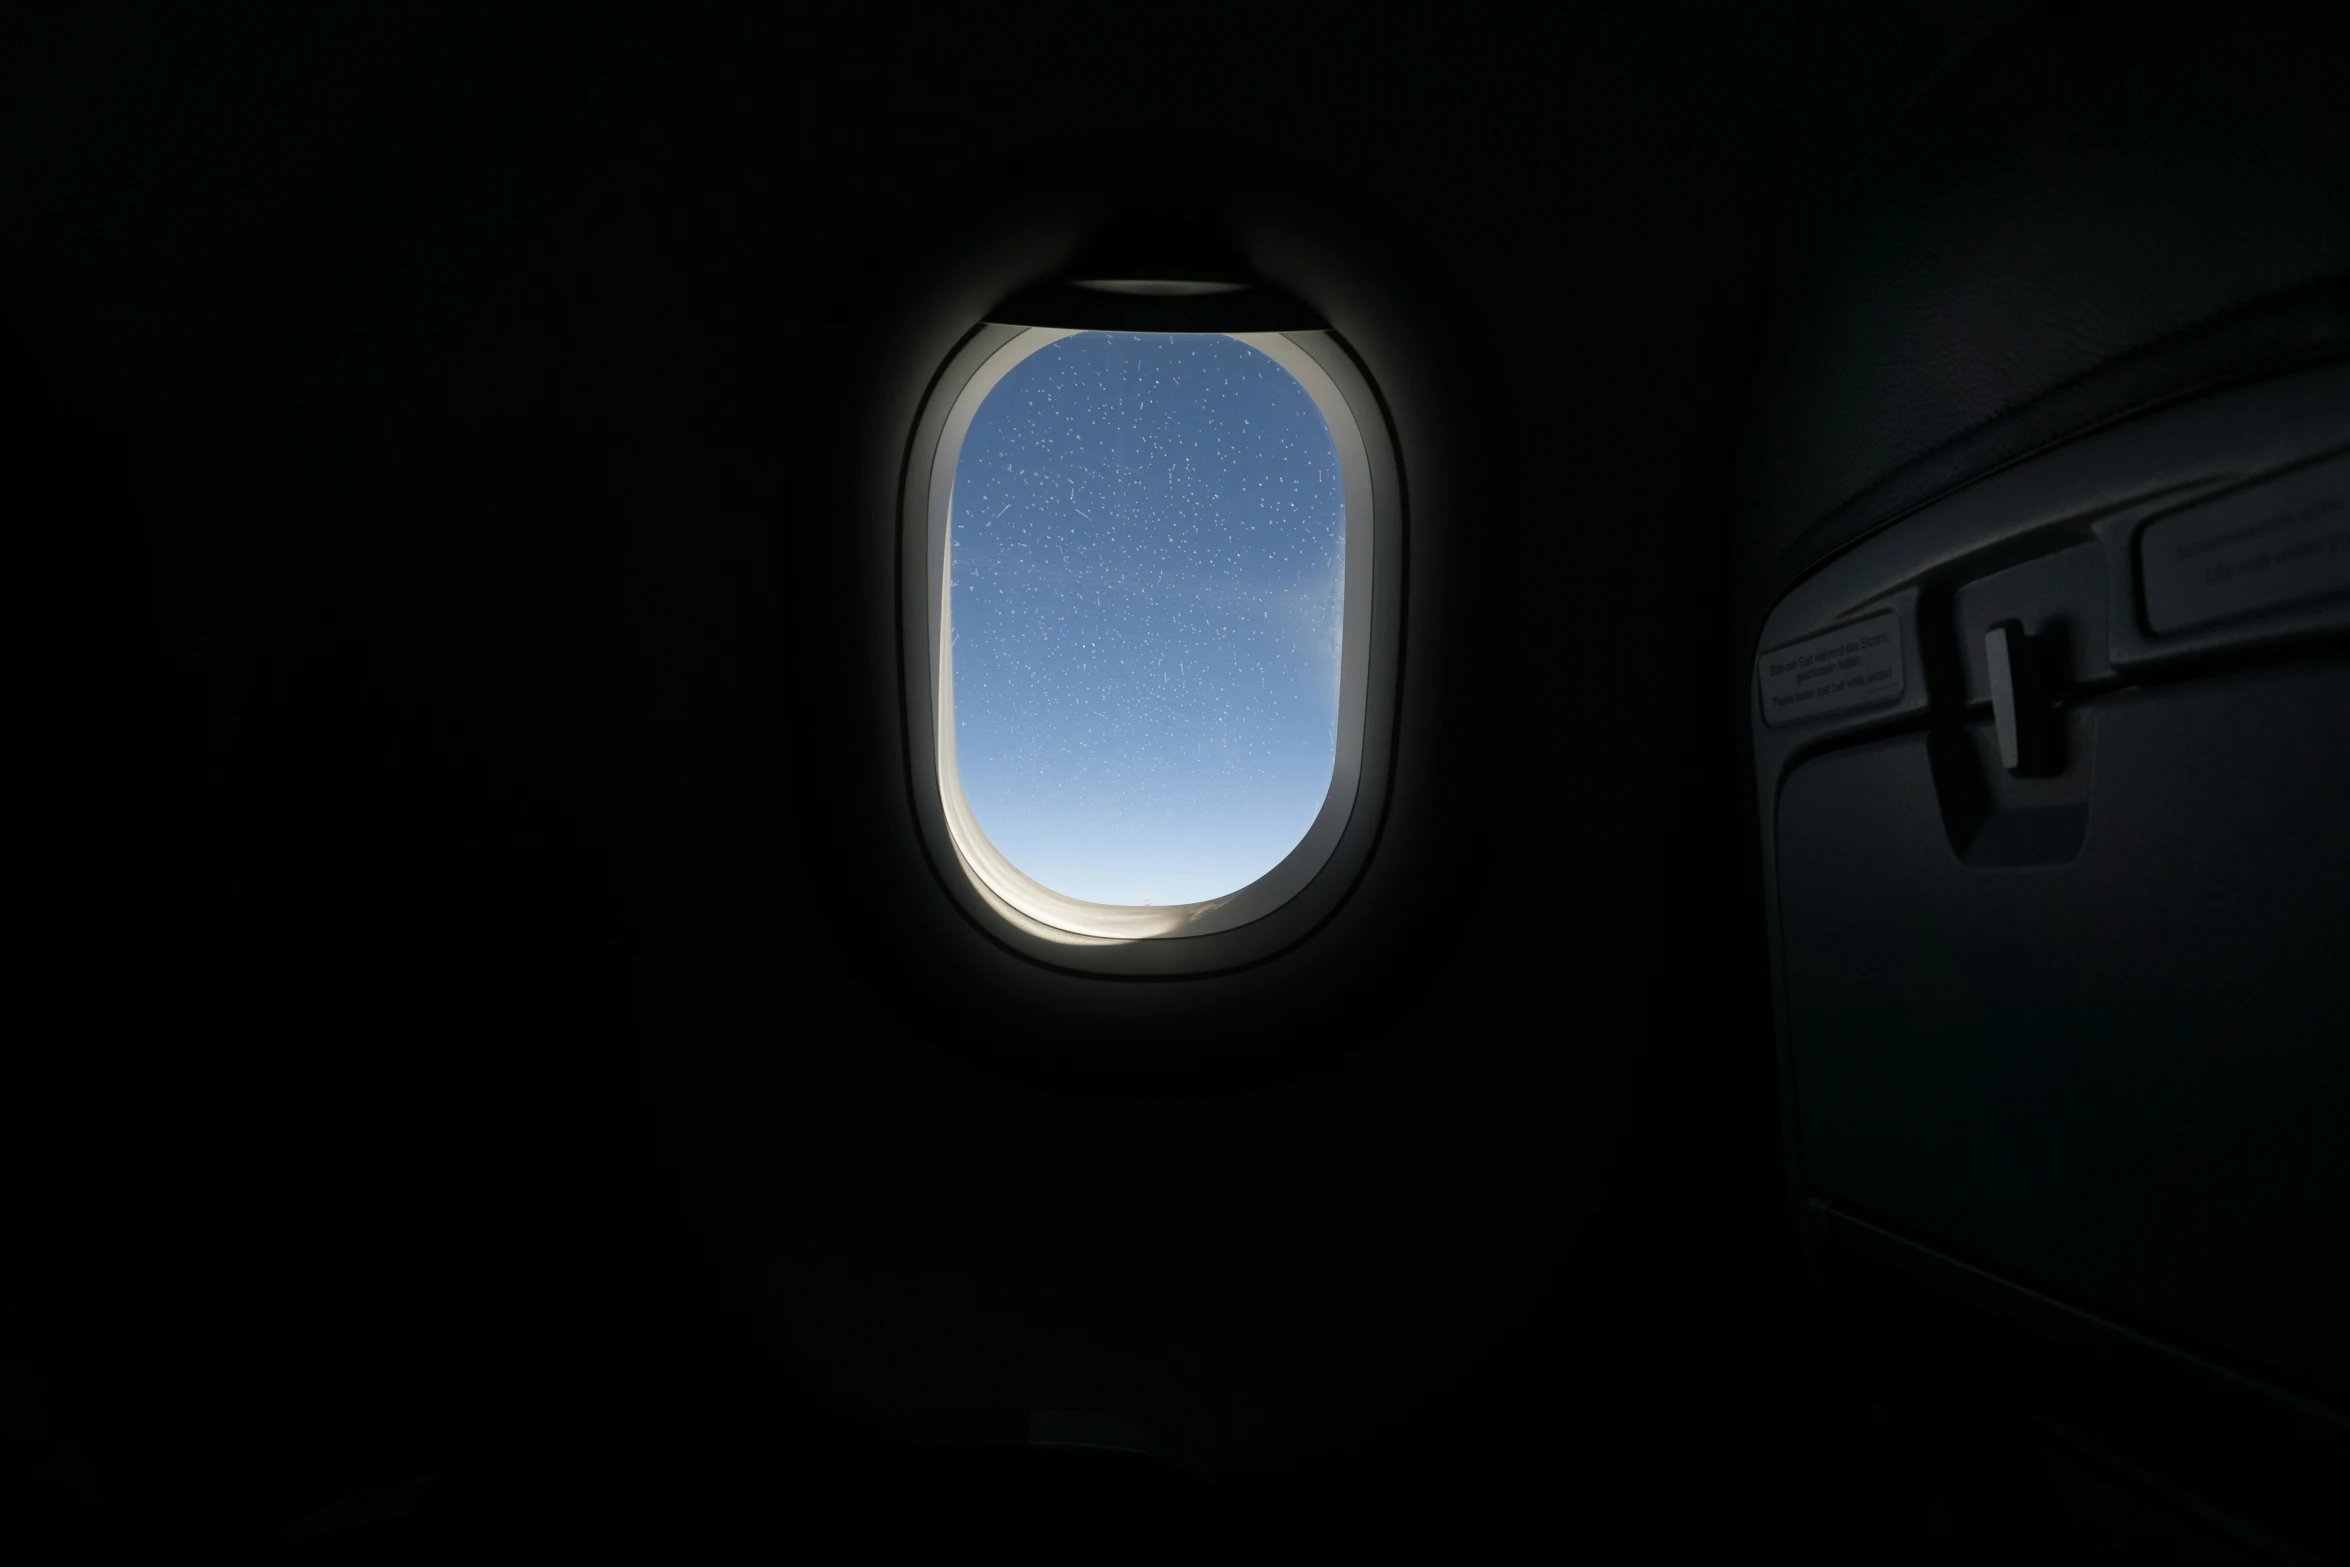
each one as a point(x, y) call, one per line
point(1147, 592)
point(1150, 634)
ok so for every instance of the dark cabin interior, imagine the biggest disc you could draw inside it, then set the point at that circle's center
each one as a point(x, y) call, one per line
point(490, 1064)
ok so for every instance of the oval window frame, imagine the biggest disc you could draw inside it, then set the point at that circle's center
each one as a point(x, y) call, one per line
point(1307, 886)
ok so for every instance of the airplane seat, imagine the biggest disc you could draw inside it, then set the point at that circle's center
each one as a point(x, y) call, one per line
point(2044, 600)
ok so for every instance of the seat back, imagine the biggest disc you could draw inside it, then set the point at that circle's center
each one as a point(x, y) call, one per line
point(2047, 584)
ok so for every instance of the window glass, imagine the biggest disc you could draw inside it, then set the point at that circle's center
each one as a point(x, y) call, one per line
point(1146, 574)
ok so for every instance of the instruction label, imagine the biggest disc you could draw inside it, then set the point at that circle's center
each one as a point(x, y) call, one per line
point(2276, 544)
point(1855, 666)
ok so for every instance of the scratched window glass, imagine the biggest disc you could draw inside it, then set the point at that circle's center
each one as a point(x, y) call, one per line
point(1146, 578)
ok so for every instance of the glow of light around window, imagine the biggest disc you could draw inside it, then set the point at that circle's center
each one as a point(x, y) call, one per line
point(1146, 577)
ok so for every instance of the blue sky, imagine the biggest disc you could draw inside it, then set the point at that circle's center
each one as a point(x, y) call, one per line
point(1147, 568)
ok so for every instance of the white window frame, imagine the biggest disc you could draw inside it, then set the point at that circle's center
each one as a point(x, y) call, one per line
point(1293, 898)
